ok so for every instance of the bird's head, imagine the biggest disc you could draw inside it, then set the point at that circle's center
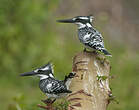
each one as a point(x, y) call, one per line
point(81, 21)
point(43, 72)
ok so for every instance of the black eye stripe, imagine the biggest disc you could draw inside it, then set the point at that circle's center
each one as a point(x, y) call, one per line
point(84, 21)
point(78, 20)
point(40, 70)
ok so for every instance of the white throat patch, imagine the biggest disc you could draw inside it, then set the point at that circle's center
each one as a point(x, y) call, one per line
point(51, 75)
point(88, 24)
point(42, 76)
point(80, 25)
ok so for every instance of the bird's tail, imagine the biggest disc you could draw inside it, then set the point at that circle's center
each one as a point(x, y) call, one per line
point(68, 79)
point(68, 91)
point(106, 52)
point(70, 76)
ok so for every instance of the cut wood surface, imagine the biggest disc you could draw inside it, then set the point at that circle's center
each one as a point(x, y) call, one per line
point(90, 89)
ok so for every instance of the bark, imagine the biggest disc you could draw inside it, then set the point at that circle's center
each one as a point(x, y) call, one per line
point(91, 86)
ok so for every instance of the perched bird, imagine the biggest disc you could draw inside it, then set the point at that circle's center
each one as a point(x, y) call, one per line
point(87, 34)
point(48, 84)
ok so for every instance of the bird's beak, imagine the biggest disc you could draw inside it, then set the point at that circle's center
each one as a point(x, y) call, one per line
point(66, 21)
point(28, 73)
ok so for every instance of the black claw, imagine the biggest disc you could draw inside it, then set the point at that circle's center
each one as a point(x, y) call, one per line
point(53, 100)
point(47, 101)
point(84, 50)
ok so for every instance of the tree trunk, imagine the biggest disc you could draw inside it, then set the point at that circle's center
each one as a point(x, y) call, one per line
point(90, 89)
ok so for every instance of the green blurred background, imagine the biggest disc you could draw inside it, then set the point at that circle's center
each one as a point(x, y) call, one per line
point(30, 37)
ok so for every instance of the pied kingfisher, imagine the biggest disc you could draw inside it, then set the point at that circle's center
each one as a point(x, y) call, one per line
point(88, 35)
point(48, 84)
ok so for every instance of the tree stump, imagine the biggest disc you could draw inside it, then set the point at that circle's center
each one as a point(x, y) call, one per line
point(91, 86)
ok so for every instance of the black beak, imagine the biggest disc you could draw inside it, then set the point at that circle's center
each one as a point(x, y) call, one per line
point(66, 21)
point(28, 73)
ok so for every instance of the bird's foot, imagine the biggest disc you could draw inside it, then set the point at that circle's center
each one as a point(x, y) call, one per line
point(95, 52)
point(48, 101)
point(53, 101)
point(48, 105)
point(87, 51)
point(84, 50)
point(45, 107)
point(90, 51)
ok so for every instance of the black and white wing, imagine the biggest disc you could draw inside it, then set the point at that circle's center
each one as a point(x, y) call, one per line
point(53, 86)
point(94, 40)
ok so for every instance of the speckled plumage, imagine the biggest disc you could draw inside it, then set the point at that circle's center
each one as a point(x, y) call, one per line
point(91, 38)
point(53, 87)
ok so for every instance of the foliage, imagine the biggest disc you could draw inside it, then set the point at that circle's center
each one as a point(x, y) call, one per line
point(62, 105)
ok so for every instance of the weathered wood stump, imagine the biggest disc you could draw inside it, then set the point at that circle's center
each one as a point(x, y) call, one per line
point(91, 86)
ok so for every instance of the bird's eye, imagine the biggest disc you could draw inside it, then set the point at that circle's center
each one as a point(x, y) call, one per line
point(78, 20)
point(40, 71)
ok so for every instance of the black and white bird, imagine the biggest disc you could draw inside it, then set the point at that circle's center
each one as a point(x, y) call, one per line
point(52, 87)
point(87, 34)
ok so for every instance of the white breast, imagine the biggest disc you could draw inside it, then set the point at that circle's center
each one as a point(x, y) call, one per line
point(80, 25)
point(88, 24)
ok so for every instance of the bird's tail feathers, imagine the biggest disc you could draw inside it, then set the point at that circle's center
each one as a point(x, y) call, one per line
point(68, 91)
point(106, 52)
point(70, 76)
